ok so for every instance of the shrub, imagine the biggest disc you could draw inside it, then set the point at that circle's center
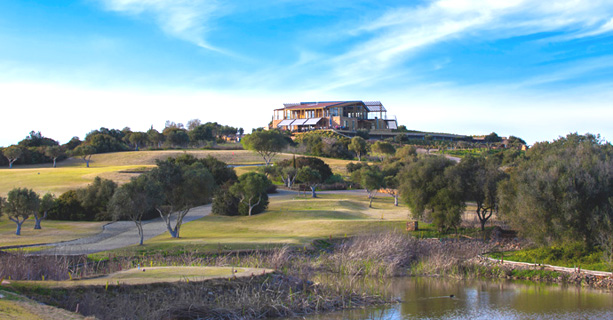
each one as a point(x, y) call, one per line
point(225, 203)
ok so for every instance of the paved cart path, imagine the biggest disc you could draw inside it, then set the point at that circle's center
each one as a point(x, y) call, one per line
point(121, 234)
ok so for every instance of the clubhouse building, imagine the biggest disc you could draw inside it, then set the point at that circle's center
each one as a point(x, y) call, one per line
point(348, 116)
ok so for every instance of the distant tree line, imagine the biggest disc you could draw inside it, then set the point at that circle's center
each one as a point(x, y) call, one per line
point(37, 149)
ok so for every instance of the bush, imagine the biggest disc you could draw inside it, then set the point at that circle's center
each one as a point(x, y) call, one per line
point(225, 204)
point(68, 207)
point(243, 208)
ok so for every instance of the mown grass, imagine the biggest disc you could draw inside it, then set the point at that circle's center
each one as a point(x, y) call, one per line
point(52, 231)
point(62, 179)
point(293, 220)
point(120, 167)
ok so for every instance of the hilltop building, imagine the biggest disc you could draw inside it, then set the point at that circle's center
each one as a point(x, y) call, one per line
point(347, 116)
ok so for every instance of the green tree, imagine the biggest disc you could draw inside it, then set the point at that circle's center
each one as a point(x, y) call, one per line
point(36, 139)
point(133, 200)
point(12, 153)
point(46, 204)
point(492, 138)
point(359, 146)
point(95, 197)
point(383, 149)
point(182, 188)
point(54, 152)
point(429, 186)
point(371, 179)
point(267, 143)
point(479, 182)
point(561, 191)
point(407, 153)
point(200, 134)
point(138, 139)
point(391, 187)
point(250, 189)
point(68, 207)
point(21, 203)
point(311, 177)
point(176, 137)
point(85, 152)
point(155, 138)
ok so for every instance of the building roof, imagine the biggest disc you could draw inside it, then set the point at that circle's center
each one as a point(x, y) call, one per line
point(319, 104)
point(374, 106)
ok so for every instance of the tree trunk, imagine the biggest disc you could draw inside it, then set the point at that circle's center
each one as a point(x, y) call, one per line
point(313, 195)
point(254, 205)
point(54, 159)
point(37, 222)
point(396, 200)
point(11, 163)
point(139, 226)
point(370, 202)
point(19, 223)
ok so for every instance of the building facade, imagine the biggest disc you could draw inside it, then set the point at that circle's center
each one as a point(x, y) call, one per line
point(337, 115)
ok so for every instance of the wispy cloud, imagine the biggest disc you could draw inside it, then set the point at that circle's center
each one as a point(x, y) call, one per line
point(393, 37)
point(189, 20)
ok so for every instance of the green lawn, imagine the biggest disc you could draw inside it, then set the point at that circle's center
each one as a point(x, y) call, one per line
point(120, 167)
point(294, 220)
point(52, 231)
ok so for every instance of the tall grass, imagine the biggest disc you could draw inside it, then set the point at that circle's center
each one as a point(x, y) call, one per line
point(383, 254)
point(449, 257)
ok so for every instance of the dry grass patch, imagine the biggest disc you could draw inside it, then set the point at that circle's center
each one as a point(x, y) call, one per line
point(14, 306)
point(150, 275)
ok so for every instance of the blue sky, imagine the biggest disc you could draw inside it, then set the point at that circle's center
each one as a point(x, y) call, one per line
point(534, 69)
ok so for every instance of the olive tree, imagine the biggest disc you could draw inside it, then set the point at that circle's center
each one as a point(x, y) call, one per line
point(371, 179)
point(54, 152)
point(138, 139)
point(85, 152)
point(430, 186)
point(182, 187)
point(133, 200)
point(479, 180)
point(21, 203)
point(12, 153)
point(359, 146)
point(311, 177)
point(383, 149)
point(250, 189)
point(561, 191)
point(267, 143)
point(46, 203)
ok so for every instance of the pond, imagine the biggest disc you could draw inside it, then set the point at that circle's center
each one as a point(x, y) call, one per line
point(440, 298)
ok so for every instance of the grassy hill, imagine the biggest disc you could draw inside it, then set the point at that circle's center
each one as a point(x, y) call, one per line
point(119, 167)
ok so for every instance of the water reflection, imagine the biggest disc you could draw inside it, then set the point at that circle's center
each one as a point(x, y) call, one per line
point(436, 298)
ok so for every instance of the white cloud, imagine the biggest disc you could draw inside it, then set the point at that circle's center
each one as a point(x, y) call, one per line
point(188, 20)
point(393, 37)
